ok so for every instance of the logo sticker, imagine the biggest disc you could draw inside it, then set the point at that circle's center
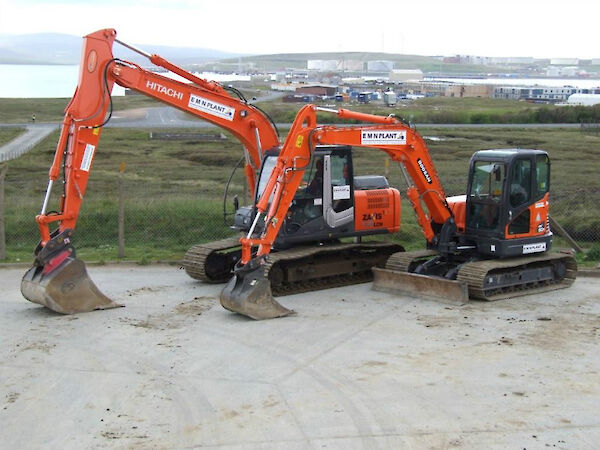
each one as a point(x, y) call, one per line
point(534, 248)
point(341, 192)
point(383, 137)
point(212, 108)
point(424, 170)
point(164, 89)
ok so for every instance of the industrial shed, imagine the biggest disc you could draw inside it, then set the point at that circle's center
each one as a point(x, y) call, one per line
point(584, 99)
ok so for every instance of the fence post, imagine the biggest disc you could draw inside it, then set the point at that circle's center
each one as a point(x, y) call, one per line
point(2, 229)
point(121, 212)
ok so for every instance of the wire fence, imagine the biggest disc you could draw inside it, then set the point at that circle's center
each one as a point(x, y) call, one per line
point(164, 227)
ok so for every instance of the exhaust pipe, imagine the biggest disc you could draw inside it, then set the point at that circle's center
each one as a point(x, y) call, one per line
point(249, 293)
point(59, 280)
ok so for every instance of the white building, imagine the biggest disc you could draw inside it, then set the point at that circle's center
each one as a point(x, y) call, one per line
point(584, 99)
point(564, 61)
point(380, 66)
point(403, 75)
point(322, 65)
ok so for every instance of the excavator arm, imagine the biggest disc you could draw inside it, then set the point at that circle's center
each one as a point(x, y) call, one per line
point(58, 279)
point(85, 117)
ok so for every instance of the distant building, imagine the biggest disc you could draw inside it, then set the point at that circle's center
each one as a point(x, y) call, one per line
point(298, 98)
point(322, 65)
point(469, 90)
point(488, 60)
point(564, 61)
point(284, 87)
point(380, 66)
point(351, 65)
point(403, 75)
point(584, 99)
point(559, 71)
point(536, 93)
point(505, 61)
point(317, 89)
point(334, 65)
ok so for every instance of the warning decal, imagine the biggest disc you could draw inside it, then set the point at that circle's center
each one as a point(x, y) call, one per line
point(88, 155)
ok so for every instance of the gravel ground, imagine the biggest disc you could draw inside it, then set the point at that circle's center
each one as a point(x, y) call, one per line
point(353, 368)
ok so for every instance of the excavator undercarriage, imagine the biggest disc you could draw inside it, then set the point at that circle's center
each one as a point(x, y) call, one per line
point(292, 271)
point(487, 279)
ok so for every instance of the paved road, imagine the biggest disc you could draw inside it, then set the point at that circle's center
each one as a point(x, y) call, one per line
point(168, 117)
point(353, 369)
point(26, 141)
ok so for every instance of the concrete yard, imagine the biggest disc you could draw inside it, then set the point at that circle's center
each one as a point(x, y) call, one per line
point(353, 368)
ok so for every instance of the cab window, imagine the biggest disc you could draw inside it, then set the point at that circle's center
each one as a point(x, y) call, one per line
point(340, 182)
point(520, 183)
point(488, 178)
point(542, 168)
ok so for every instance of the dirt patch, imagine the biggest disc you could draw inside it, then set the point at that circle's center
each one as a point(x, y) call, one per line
point(175, 318)
point(147, 290)
point(196, 306)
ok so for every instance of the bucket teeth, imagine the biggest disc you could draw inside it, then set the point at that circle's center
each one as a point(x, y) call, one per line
point(249, 293)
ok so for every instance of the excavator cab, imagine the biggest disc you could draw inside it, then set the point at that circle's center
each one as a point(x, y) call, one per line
point(330, 203)
point(507, 202)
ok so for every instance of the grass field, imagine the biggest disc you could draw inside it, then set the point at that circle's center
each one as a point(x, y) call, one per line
point(424, 110)
point(174, 189)
point(8, 134)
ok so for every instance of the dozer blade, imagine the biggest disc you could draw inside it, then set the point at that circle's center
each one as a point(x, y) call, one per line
point(420, 286)
point(64, 287)
point(249, 293)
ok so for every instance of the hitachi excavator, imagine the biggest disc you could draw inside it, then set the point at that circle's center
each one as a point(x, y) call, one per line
point(306, 200)
point(489, 244)
point(58, 279)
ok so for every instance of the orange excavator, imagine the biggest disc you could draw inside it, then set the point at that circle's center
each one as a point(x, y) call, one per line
point(58, 279)
point(488, 244)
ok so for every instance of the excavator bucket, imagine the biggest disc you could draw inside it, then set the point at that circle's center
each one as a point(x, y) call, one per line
point(63, 285)
point(420, 286)
point(249, 293)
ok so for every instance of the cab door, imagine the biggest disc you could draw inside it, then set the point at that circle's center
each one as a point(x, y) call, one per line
point(338, 189)
point(528, 192)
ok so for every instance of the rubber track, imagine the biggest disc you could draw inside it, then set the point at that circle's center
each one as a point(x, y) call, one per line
point(474, 275)
point(401, 261)
point(195, 258)
point(382, 250)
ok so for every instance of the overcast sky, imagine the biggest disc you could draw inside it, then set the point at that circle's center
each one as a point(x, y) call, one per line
point(537, 28)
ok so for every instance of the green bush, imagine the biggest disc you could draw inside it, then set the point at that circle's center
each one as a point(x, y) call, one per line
point(593, 254)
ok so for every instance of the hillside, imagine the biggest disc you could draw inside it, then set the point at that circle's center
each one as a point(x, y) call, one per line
point(56, 48)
